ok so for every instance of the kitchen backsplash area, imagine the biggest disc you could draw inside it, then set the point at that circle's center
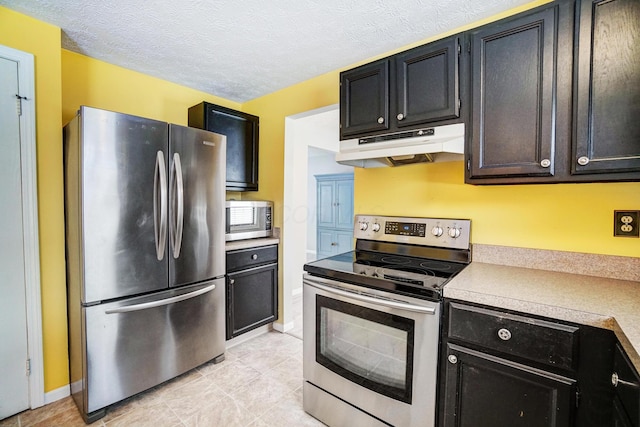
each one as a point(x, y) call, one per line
point(609, 266)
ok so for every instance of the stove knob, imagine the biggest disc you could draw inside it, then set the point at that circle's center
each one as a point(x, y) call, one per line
point(436, 231)
point(454, 233)
point(364, 226)
point(375, 227)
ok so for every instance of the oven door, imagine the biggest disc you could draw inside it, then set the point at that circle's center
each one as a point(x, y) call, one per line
point(375, 350)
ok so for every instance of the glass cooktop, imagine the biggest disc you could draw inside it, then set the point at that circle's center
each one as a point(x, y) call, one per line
point(418, 277)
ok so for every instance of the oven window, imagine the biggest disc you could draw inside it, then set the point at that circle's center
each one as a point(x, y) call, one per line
point(365, 346)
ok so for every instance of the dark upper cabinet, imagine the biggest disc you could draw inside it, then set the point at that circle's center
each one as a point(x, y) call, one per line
point(514, 66)
point(607, 88)
point(554, 95)
point(412, 89)
point(242, 131)
point(364, 99)
point(428, 83)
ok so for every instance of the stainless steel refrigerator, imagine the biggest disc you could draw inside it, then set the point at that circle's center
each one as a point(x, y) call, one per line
point(145, 224)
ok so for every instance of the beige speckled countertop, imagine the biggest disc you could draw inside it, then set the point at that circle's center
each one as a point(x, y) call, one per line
point(607, 303)
point(251, 243)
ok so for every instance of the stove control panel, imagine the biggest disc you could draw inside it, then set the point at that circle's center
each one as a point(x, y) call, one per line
point(440, 232)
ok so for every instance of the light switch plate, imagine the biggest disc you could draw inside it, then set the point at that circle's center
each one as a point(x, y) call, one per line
point(626, 223)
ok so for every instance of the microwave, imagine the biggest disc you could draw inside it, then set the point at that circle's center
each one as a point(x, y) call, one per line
point(248, 219)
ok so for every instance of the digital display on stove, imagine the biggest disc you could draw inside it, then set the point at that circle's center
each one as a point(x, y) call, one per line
point(405, 228)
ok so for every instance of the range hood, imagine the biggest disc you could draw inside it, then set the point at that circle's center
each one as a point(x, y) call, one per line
point(441, 143)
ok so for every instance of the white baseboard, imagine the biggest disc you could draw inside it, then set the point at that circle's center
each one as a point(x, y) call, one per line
point(283, 327)
point(248, 335)
point(57, 394)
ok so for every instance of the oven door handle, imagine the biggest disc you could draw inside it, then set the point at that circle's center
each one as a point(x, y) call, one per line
point(370, 299)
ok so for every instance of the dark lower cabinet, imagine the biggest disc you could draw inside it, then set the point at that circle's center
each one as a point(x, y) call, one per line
point(500, 368)
point(482, 390)
point(626, 383)
point(252, 289)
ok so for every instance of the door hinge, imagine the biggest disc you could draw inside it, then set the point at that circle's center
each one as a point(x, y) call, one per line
point(19, 103)
point(469, 47)
point(28, 366)
point(577, 398)
point(459, 49)
point(468, 165)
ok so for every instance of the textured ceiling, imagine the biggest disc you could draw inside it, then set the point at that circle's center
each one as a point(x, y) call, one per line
point(243, 49)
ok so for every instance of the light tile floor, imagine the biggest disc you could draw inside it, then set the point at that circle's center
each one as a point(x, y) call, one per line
point(258, 385)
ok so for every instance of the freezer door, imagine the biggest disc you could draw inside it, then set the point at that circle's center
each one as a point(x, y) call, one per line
point(196, 205)
point(115, 160)
point(135, 344)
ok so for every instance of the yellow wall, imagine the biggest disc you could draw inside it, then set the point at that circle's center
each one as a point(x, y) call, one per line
point(570, 217)
point(43, 41)
point(88, 81)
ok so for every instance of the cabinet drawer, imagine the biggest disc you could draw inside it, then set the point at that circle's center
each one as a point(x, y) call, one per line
point(246, 258)
point(548, 343)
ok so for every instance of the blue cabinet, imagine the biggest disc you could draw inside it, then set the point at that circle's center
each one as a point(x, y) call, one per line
point(334, 214)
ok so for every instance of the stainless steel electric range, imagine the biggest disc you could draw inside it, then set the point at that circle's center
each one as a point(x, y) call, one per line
point(371, 321)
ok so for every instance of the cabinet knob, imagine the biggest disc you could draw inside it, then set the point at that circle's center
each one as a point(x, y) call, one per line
point(334, 244)
point(452, 359)
point(400, 116)
point(583, 160)
point(381, 120)
point(545, 163)
point(232, 281)
point(254, 256)
point(504, 334)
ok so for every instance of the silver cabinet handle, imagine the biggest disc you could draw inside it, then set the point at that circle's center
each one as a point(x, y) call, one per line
point(381, 120)
point(583, 161)
point(545, 163)
point(452, 359)
point(400, 116)
point(504, 334)
point(167, 301)
point(177, 201)
point(616, 381)
point(160, 192)
point(232, 281)
point(371, 299)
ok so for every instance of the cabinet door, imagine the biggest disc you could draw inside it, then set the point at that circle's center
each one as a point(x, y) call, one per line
point(607, 129)
point(364, 99)
point(252, 299)
point(242, 132)
point(427, 83)
point(242, 146)
point(513, 96)
point(344, 204)
point(344, 241)
point(481, 390)
point(326, 209)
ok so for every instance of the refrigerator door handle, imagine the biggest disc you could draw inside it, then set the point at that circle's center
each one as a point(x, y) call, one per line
point(160, 192)
point(166, 301)
point(177, 202)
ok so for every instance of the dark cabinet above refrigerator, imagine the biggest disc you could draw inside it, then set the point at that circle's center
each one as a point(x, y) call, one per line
point(242, 132)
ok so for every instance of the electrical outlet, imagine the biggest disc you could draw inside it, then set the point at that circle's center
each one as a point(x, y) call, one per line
point(625, 223)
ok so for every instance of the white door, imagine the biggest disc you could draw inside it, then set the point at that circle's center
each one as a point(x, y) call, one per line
point(14, 386)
